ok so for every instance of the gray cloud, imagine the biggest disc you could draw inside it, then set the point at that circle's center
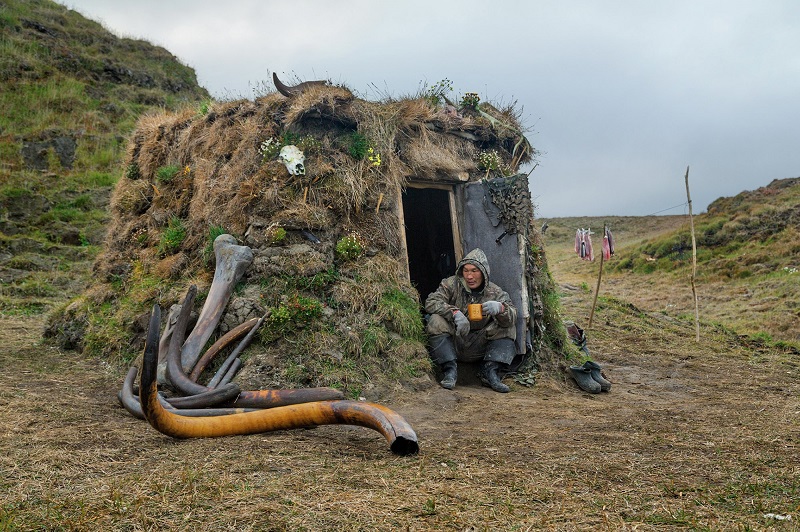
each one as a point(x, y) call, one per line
point(620, 95)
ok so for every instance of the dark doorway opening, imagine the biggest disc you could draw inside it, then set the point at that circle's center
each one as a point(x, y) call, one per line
point(429, 237)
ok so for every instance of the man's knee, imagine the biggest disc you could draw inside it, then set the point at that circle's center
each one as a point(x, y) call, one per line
point(503, 350)
point(438, 325)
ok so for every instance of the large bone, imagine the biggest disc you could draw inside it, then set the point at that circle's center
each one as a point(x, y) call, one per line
point(399, 434)
point(232, 261)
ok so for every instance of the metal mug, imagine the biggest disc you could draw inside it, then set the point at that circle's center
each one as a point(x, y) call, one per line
point(475, 312)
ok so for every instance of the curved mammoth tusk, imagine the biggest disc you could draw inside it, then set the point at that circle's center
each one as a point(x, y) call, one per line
point(217, 396)
point(126, 397)
point(228, 338)
point(232, 371)
point(249, 399)
point(399, 434)
point(131, 402)
point(297, 89)
point(227, 364)
point(163, 344)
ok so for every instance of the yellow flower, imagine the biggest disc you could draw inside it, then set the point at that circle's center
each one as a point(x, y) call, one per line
point(374, 158)
point(187, 170)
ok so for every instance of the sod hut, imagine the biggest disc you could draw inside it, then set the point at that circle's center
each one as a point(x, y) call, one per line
point(390, 195)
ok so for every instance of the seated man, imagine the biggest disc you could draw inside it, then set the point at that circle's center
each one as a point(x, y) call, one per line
point(453, 337)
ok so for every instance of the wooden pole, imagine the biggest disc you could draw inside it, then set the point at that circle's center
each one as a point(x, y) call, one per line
point(599, 277)
point(694, 261)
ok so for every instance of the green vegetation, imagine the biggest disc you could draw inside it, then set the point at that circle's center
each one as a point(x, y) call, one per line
point(132, 171)
point(172, 237)
point(276, 235)
point(349, 247)
point(751, 234)
point(401, 314)
point(470, 100)
point(359, 146)
point(436, 93)
point(166, 174)
point(294, 313)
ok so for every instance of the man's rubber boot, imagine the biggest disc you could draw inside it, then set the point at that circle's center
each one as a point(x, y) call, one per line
point(595, 368)
point(488, 376)
point(450, 372)
point(583, 377)
point(443, 353)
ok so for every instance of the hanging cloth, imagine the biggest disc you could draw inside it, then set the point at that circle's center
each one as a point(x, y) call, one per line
point(608, 244)
point(589, 251)
point(583, 244)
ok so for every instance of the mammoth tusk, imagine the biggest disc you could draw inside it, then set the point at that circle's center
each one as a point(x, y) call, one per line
point(228, 338)
point(297, 89)
point(226, 365)
point(250, 399)
point(130, 402)
point(232, 371)
point(172, 318)
point(232, 261)
point(399, 434)
point(126, 397)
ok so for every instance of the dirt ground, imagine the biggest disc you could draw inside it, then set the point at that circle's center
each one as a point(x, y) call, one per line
point(693, 435)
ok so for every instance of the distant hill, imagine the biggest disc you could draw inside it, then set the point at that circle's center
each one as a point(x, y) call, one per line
point(748, 252)
point(71, 92)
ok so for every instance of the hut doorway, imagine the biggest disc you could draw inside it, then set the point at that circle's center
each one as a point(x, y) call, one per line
point(431, 235)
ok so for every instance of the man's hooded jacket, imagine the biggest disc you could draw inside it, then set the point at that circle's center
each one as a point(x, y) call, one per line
point(454, 294)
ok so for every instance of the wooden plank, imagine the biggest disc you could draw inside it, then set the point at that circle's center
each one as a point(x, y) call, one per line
point(427, 184)
point(457, 246)
point(402, 219)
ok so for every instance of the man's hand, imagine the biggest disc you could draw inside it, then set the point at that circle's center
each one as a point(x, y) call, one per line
point(492, 308)
point(462, 323)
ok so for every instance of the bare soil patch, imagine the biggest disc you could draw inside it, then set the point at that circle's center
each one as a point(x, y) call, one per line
point(691, 436)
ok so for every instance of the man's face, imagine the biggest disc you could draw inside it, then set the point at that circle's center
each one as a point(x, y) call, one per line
point(472, 276)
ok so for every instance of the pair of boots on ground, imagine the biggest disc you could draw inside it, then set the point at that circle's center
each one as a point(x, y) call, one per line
point(443, 353)
point(589, 378)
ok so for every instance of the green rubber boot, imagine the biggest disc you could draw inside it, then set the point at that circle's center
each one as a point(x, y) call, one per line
point(595, 368)
point(488, 376)
point(450, 375)
point(583, 377)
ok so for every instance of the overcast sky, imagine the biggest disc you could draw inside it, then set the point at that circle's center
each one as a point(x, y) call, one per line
point(620, 96)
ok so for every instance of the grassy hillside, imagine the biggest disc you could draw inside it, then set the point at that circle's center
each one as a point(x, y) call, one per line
point(747, 250)
point(71, 92)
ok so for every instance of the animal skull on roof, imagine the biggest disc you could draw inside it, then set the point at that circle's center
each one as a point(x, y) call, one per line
point(294, 159)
